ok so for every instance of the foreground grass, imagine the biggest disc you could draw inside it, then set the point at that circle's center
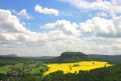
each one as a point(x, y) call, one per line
point(3, 70)
point(75, 67)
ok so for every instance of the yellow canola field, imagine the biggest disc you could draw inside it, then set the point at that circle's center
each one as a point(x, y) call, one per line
point(75, 67)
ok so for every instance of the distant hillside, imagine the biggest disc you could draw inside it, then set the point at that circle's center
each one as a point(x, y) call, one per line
point(70, 57)
point(79, 56)
point(66, 57)
point(42, 57)
point(9, 55)
point(112, 58)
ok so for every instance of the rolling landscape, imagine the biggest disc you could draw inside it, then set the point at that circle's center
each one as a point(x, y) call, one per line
point(69, 66)
point(60, 40)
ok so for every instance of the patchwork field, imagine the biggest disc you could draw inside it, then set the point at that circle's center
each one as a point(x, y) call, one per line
point(75, 67)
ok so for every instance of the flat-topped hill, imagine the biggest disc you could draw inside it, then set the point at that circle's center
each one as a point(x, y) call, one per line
point(73, 54)
point(70, 57)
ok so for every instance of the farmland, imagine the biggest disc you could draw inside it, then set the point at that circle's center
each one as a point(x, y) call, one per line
point(75, 67)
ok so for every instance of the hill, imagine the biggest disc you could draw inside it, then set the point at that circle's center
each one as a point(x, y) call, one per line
point(9, 55)
point(112, 58)
point(79, 56)
point(66, 57)
point(70, 57)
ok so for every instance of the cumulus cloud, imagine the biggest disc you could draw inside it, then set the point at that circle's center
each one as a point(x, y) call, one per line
point(65, 26)
point(59, 36)
point(15, 38)
point(49, 11)
point(15, 31)
point(24, 13)
point(12, 29)
point(10, 23)
point(106, 6)
point(84, 4)
point(102, 27)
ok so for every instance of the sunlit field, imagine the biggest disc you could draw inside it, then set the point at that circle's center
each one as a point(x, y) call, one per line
point(75, 67)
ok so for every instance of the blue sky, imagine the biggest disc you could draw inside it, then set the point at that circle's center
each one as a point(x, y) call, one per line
point(44, 27)
point(67, 12)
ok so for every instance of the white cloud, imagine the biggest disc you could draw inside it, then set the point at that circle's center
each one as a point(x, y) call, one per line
point(10, 23)
point(15, 38)
point(65, 26)
point(49, 11)
point(59, 36)
point(84, 4)
point(114, 2)
point(106, 6)
point(102, 27)
point(24, 13)
point(5, 36)
point(12, 29)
